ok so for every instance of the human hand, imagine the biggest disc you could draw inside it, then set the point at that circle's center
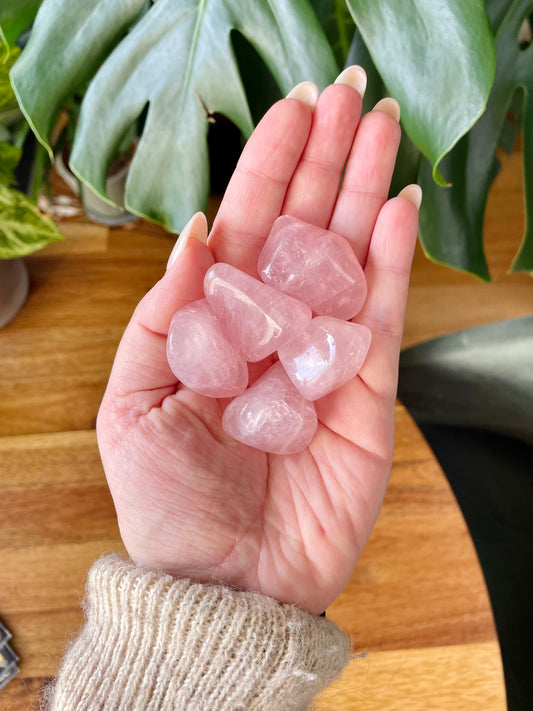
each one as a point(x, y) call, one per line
point(192, 501)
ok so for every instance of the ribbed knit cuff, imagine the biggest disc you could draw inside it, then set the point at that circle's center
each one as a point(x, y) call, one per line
point(153, 642)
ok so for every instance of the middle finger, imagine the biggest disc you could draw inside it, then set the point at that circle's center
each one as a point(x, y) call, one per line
point(315, 184)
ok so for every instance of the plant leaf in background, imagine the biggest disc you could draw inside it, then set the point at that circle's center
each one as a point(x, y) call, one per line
point(437, 59)
point(408, 160)
point(451, 220)
point(23, 229)
point(168, 178)
point(9, 158)
point(8, 102)
point(15, 16)
point(338, 25)
point(177, 60)
point(68, 42)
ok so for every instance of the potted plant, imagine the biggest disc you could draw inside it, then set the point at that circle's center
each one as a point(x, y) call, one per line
point(23, 228)
point(455, 67)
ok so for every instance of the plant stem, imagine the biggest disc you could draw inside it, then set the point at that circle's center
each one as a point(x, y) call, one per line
point(20, 134)
point(40, 159)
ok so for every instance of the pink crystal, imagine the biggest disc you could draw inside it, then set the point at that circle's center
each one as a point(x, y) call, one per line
point(327, 355)
point(200, 354)
point(314, 265)
point(271, 415)
point(256, 317)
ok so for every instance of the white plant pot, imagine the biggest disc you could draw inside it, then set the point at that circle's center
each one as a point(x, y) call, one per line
point(101, 211)
point(14, 287)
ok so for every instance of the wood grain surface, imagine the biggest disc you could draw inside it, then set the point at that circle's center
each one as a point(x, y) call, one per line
point(416, 606)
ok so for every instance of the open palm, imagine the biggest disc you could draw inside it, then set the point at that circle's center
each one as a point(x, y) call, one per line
point(194, 502)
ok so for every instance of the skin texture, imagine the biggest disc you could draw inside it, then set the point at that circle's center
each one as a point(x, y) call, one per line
point(195, 503)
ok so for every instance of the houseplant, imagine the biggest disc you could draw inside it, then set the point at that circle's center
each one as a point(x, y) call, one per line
point(447, 62)
point(23, 228)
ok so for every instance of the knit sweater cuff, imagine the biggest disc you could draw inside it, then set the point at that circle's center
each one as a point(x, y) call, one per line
point(153, 642)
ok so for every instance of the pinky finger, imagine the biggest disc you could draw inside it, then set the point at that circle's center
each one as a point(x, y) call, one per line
point(387, 271)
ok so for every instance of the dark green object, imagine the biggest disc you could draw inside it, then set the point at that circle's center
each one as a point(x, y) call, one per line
point(15, 16)
point(471, 394)
point(429, 64)
point(481, 377)
point(451, 219)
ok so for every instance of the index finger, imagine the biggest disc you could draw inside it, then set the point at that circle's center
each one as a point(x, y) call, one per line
point(256, 192)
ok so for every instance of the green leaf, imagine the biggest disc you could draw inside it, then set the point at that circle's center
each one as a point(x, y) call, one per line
point(338, 25)
point(322, 8)
point(259, 85)
point(524, 76)
point(179, 61)
point(437, 59)
point(23, 228)
point(359, 54)
point(451, 220)
point(69, 40)
point(408, 159)
point(9, 158)
point(15, 16)
point(497, 10)
point(8, 101)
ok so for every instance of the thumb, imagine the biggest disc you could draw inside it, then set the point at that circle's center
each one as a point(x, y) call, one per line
point(141, 363)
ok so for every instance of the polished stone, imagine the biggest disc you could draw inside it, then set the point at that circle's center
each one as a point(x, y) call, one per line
point(327, 355)
point(256, 317)
point(201, 355)
point(271, 415)
point(314, 265)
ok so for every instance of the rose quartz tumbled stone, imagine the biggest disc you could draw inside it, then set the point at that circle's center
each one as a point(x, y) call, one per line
point(271, 415)
point(201, 355)
point(256, 317)
point(327, 355)
point(314, 265)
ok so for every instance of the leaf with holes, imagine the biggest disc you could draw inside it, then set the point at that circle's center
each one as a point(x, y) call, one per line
point(178, 61)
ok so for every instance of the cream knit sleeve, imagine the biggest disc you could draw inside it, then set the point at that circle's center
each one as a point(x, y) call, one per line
point(151, 642)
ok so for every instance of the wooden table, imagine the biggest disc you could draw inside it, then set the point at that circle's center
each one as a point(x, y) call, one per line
point(416, 606)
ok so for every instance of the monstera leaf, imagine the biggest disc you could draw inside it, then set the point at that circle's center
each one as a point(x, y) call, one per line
point(451, 220)
point(167, 68)
point(177, 61)
point(436, 58)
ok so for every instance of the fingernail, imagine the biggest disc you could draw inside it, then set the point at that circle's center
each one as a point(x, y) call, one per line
point(306, 92)
point(354, 76)
point(389, 106)
point(413, 193)
point(196, 228)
